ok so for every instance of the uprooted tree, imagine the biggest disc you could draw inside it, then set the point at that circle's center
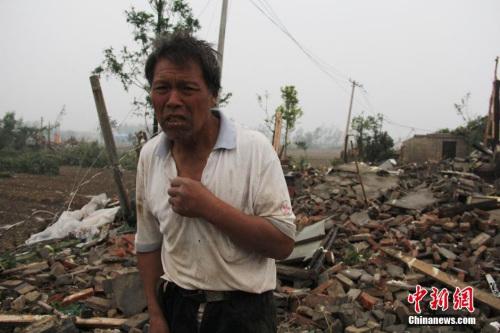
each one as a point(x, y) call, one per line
point(127, 64)
point(373, 143)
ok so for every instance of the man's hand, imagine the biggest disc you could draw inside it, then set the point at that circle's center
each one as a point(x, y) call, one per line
point(189, 197)
point(158, 324)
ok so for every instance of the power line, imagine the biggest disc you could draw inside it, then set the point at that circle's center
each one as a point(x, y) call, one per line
point(271, 15)
point(266, 9)
point(204, 8)
point(385, 118)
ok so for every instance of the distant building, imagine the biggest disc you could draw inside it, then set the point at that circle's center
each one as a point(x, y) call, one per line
point(436, 147)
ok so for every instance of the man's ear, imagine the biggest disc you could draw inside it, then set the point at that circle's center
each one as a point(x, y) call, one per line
point(214, 100)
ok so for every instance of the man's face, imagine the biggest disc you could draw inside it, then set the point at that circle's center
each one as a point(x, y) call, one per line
point(181, 99)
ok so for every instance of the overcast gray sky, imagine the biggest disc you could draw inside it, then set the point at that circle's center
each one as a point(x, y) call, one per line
point(414, 58)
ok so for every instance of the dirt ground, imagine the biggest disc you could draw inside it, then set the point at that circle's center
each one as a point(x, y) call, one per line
point(36, 199)
point(316, 157)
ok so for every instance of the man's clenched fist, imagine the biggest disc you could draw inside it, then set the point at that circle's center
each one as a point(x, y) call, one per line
point(189, 197)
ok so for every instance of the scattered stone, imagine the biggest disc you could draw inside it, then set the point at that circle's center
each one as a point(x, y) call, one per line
point(24, 288)
point(395, 271)
point(19, 303)
point(32, 296)
point(98, 303)
point(128, 293)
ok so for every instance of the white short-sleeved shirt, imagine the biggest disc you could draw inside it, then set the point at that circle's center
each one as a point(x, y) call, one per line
point(244, 171)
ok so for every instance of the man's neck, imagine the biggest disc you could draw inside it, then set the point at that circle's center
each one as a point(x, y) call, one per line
point(200, 143)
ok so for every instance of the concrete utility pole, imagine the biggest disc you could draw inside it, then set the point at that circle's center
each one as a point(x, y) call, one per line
point(354, 85)
point(222, 33)
point(110, 143)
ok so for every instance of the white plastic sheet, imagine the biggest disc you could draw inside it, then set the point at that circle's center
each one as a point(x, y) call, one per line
point(82, 223)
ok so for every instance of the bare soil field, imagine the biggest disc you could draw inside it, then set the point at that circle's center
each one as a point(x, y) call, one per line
point(28, 198)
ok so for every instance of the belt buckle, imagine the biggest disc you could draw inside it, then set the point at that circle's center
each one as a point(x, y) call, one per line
point(214, 296)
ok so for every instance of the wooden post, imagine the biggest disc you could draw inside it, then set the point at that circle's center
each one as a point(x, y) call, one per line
point(222, 33)
point(277, 132)
point(110, 143)
point(359, 177)
point(348, 125)
point(492, 126)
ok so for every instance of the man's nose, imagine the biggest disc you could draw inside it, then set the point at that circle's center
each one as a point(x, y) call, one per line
point(174, 99)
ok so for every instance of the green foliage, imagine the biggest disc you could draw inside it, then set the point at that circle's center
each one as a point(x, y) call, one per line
point(303, 163)
point(38, 162)
point(473, 128)
point(336, 161)
point(290, 110)
point(73, 309)
point(7, 261)
point(302, 145)
point(353, 257)
point(14, 133)
point(127, 64)
point(84, 154)
point(373, 143)
point(128, 160)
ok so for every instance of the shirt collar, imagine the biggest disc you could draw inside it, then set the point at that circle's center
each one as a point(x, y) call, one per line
point(226, 138)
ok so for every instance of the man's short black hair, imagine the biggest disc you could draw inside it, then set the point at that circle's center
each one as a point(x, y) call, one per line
point(180, 48)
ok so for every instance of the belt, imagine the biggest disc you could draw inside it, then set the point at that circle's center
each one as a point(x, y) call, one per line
point(200, 296)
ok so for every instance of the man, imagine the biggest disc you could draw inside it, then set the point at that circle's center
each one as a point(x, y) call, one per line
point(213, 211)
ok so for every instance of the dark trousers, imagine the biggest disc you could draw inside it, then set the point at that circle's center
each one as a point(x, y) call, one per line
point(240, 312)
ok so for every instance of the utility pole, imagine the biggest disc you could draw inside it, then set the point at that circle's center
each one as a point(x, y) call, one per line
point(48, 135)
point(110, 143)
point(492, 131)
point(222, 33)
point(354, 85)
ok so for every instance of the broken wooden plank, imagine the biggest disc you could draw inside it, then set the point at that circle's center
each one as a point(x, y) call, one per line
point(39, 265)
point(440, 276)
point(100, 322)
point(455, 210)
point(96, 322)
point(291, 273)
point(6, 319)
point(82, 294)
point(466, 175)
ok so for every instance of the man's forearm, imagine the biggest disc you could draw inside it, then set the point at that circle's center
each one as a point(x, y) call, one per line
point(253, 233)
point(150, 269)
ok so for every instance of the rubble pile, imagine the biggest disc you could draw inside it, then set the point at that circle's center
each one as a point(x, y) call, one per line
point(422, 227)
point(372, 250)
point(73, 286)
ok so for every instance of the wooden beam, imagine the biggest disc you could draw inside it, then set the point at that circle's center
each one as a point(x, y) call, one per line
point(455, 210)
point(96, 322)
point(433, 272)
point(100, 322)
point(6, 319)
point(277, 132)
point(292, 273)
point(110, 144)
